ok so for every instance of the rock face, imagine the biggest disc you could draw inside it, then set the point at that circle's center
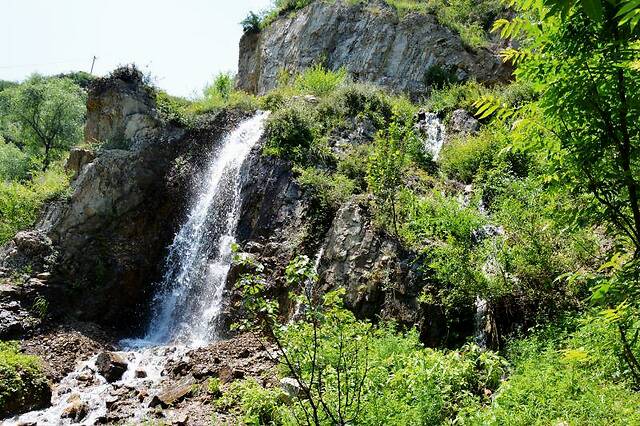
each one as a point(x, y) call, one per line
point(106, 242)
point(370, 41)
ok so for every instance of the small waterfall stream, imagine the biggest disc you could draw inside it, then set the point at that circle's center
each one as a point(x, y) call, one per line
point(187, 308)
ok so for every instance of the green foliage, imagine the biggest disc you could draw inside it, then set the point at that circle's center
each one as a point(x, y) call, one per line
point(351, 372)
point(218, 95)
point(319, 81)
point(20, 203)
point(252, 24)
point(174, 109)
point(15, 165)
point(213, 387)
point(21, 378)
point(253, 403)
point(386, 168)
point(290, 132)
point(44, 114)
point(329, 189)
point(563, 376)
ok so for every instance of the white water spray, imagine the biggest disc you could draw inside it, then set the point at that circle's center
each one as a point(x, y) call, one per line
point(188, 307)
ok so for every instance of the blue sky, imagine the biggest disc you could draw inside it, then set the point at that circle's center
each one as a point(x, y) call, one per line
point(183, 44)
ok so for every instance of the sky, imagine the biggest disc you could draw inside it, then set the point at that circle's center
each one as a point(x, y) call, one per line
point(183, 44)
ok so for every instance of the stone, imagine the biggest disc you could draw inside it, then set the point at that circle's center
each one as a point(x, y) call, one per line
point(228, 374)
point(111, 366)
point(78, 158)
point(173, 393)
point(291, 387)
point(140, 374)
point(370, 41)
point(76, 410)
point(463, 122)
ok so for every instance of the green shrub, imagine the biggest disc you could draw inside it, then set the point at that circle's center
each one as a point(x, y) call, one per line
point(173, 109)
point(20, 203)
point(255, 404)
point(330, 189)
point(319, 81)
point(23, 385)
point(463, 157)
point(563, 376)
point(15, 165)
point(252, 24)
point(290, 132)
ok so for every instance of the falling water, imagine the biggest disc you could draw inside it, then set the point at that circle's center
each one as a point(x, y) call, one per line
point(188, 306)
point(434, 133)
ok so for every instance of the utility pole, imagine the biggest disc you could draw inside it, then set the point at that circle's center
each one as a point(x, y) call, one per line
point(92, 64)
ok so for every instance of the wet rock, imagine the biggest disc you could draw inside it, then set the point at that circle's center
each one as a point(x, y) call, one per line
point(180, 419)
point(140, 374)
point(76, 410)
point(173, 393)
point(111, 366)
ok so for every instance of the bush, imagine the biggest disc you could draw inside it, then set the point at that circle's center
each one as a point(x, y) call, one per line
point(20, 203)
point(563, 377)
point(255, 404)
point(329, 189)
point(15, 165)
point(252, 24)
point(23, 385)
point(290, 133)
point(319, 81)
point(463, 157)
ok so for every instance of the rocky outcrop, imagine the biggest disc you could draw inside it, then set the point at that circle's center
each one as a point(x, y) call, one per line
point(370, 41)
point(106, 242)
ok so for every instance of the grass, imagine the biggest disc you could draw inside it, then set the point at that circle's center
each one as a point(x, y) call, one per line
point(22, 381)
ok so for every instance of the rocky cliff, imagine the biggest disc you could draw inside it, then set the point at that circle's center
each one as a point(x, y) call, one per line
point(370, 41)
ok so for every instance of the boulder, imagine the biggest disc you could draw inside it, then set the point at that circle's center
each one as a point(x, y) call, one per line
point(291, 387)
point(78, 158)
point(111, 366)
point(76, 410)
point(173, 393)
point(463, 122)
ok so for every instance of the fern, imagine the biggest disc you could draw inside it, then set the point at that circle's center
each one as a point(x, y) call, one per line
point(490, 105)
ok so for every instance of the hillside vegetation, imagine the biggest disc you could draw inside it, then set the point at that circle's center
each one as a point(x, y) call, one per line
point(535, 214)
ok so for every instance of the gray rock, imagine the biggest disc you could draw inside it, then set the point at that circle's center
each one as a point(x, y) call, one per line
point(370, 41)
point(78, 158)
point(291, 387)
point(173, 393)
point(111, 366)
point(463, 122)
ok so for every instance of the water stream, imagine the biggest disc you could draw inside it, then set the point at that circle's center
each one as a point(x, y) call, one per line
point(187, 308)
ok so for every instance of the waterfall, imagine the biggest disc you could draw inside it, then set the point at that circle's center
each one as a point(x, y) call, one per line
point(187, 308)
point(434, 133)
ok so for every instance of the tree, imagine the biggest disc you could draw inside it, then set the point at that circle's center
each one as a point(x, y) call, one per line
point(583, 57)
point(43, 116)
point(326, 353)
point(386, 167)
